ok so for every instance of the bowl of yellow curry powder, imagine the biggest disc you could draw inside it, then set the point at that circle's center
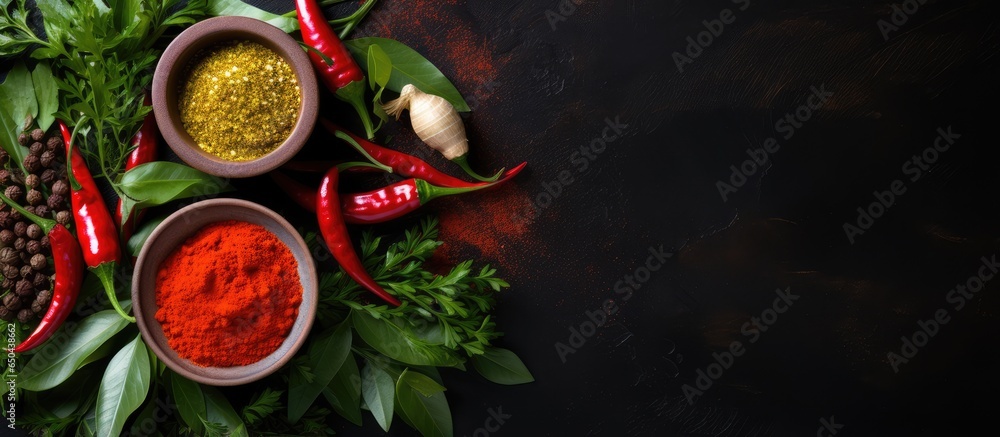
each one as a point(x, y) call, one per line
point(235, 96)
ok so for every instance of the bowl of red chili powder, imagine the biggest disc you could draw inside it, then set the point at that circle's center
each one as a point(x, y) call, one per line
point(224, 291)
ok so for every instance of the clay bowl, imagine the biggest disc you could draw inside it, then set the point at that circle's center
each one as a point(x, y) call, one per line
point(170, 71)
point(172, 233)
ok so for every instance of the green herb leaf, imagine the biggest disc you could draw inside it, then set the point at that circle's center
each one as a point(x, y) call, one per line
point(344, 391)
point(18, 97)
point(261, 406)
point(159, 182)
point(46, 94)
point(123, 388)
point(221, 8)
point(390, 340)
point(379, 67)
point(221, 411)
point(72, 345)
point(326, 354)
point(190, 401)
point(501, 366)
point(378, 390)
point(138, 239)
point(428, 414)
point(409, 67)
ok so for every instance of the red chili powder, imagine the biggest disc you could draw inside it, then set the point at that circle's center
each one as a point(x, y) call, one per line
point(229, 295)
point(497, 224)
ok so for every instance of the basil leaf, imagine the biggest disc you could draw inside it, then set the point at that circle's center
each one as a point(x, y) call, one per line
point(344, 391)
point(378, 390)
point(189, 400)
point(409, 67)
point(123, 388)
point(220, 8)
point(46, 94)
point(396, 343)
point(379, 67)
point(138, 239)
point(18, 103)
point(430, 415)
point(221, 411)
point(501, 366)
point(159, 182)
point(72, 345)
point(326, 355)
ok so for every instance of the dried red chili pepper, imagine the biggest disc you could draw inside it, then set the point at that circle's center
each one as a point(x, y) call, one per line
point(68, 263)
point(93, 223)
point(334, 230)
point(343, 77)
point(386, 203)
point(401, 163)
point(144, 145)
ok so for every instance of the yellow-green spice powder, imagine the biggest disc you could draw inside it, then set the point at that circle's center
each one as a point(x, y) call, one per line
point(239, 101)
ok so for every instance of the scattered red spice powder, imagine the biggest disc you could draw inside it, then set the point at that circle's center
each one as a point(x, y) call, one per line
point(229, 295)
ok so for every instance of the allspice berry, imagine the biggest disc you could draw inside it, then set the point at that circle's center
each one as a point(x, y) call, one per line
point(37, 134)
point(11, 272)
point(36, 148)
point(27, 272)
point(44, 296)
point(38, 307)
point(42, 211)
point(19, 243)
point(5, 314)
point(40, 281)
point(54, 143)
point(47, 158)
point(48, 177)
point(32, 163)
point(38, 262)
point(23, 139)
point(55, 201)
point(45, 241)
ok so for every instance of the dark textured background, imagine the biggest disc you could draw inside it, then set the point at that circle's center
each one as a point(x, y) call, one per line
point(544, 93)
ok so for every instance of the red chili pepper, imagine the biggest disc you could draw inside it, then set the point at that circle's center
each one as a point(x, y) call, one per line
point(144, 150)
point(94, 226)
point(344, 77)
point(386, 203)
point(68, 263)
point(403, 164)
point(334, 230)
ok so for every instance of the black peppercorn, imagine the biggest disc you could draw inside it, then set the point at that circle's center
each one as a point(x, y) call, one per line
point(12, 302)
point(32, 180)
point(61, 188)
point(53, 143)
point(44, 296)
point(55, 200)
point(38, 261)
point(23, 139)
point(47, 158)
point(45, 241)
point(64, 217)
point(9, 256)
point(48, 177)
point(35, 197)
point(41, 281)
point(26, 272)
point(36, 148)
point(33, 247)
point(25, 315)
point(7, 284)
point(32, 163)
point(25, 288)
point(38, 307)
point(34, 231)
point(14, 192)
point(15, 215)
point(37, 134)
point(5, 314)
point(11, 272)
point(19, 243)
point(5, 220)
point(42, 211)
point(20, 228)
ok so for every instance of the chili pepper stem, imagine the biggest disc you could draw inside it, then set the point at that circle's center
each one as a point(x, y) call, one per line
point(347, 138)
point(463, 161)
point(105, 272)
point(43, 223)
point(354, 94)
point(429, 192)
